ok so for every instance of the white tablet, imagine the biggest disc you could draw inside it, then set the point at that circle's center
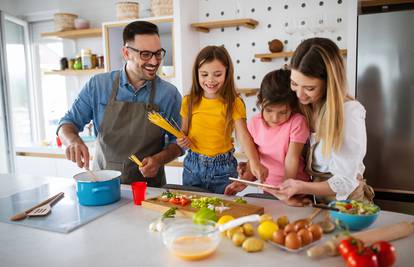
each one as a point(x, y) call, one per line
point(253, 183)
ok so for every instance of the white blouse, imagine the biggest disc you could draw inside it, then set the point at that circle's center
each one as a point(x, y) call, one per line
point(347, 163)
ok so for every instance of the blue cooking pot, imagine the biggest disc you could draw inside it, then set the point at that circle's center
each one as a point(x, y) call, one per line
point(105, 190)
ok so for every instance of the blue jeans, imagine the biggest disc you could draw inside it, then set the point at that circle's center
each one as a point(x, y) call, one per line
point(211, 173)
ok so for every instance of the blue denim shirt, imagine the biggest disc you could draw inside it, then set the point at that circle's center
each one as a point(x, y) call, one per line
point(94, 96)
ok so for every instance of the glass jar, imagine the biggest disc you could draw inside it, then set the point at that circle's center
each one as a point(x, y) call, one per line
point(86, 59)
point(100, 61)
point(94, 61)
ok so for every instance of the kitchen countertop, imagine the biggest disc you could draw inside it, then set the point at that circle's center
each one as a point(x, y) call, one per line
point(122, 238)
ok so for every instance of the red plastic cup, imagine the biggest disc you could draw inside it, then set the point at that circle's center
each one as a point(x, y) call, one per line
point(138, 191)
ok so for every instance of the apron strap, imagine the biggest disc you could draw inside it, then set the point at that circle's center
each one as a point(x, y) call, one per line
point(151, 106)
point(115, 86)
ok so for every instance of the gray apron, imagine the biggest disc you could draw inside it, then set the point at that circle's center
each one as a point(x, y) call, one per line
point(362, 192)
point(125, 130)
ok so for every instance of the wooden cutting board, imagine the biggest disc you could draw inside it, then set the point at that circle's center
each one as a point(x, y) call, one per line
point(235, 209)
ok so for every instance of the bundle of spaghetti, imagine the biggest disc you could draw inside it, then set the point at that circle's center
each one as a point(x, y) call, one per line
point(136, 160)
point(171, 127)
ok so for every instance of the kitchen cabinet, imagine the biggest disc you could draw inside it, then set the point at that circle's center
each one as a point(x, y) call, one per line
point(113, 43)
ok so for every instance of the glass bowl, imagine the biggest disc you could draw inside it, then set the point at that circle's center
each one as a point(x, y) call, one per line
point(190, 241)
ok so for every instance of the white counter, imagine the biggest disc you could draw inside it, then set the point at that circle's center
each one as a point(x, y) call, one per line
point(121, 238)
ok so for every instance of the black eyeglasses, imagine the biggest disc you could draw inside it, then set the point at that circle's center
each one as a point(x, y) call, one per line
point(147, 55)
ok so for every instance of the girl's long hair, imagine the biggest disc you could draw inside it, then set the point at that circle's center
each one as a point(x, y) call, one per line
point(320, 58)
point(227, 93)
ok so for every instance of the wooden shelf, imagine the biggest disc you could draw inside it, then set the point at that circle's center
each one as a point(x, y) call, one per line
point(73, 72)
point(74, 34)
point(248, 91)
point(206, 26)
point(373, 3)
point(268, 57)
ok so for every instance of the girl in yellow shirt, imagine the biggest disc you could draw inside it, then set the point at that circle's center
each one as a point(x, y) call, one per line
point(209, 114)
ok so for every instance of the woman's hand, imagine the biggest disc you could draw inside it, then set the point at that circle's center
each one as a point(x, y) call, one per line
point(259, 171)
point(234, 188)
point(292, 187)
point(184, 142)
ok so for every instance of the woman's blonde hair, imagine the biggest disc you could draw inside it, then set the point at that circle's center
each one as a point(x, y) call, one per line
point(320, 58)
point(227, 93)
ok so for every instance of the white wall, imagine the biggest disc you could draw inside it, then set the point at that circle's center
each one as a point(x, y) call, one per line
point(8, 6)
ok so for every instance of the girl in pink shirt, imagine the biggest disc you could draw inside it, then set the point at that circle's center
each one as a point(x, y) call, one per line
point(279, 132)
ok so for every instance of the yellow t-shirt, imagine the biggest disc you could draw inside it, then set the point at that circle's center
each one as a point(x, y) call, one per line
point(208, 124)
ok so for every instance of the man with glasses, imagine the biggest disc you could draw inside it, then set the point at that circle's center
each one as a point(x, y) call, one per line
point(118, 103)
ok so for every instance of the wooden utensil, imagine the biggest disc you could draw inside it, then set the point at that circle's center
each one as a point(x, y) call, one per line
point(315, 212)
point(324, 206)
point(94, 178)
point(23, 215)
point(46, 208)
point(386, 233)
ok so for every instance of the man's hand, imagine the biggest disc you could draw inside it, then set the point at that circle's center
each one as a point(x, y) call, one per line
point(78, 152)
point(234, 188)
point(150, 167)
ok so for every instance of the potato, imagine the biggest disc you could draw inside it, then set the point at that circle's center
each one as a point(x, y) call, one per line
point(252, 244)
point(282, 221)
point(266, 217)
point(238, 239)
point(248, 229)
point(232, 231)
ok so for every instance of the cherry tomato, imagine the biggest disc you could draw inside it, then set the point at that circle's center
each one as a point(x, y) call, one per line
point(348, 245)
point(364, 258)
point(385, 253)
point(348, 206)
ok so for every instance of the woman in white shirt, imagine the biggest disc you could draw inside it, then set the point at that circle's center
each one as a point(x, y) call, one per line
point(337, 121)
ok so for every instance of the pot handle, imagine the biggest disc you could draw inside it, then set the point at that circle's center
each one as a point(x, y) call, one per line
point(100, 189)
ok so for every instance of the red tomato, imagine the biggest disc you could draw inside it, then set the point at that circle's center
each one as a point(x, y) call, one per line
point(348, 206)
point(364, 258)
point(175, 200)
point(348, 245)
point(184, 201)
point(385, 253)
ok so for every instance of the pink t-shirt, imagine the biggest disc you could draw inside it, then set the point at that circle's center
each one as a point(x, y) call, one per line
point(273, 143)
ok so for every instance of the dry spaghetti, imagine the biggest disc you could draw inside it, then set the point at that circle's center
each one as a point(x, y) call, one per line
point(136, 160)
point(165, 124)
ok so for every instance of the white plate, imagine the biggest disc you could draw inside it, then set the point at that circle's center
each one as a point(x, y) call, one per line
point(253, 183)
point(294, 250)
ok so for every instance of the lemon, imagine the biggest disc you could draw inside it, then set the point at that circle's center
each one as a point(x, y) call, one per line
point(266, 229)
point(224, 219)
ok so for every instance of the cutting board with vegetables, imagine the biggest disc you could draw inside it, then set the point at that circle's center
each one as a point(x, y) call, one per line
point(188, 204)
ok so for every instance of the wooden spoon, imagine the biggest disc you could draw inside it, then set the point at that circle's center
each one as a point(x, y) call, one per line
point(93, 177)
point(23, 215)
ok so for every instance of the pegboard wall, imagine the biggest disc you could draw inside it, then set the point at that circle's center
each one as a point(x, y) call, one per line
point(290, 21)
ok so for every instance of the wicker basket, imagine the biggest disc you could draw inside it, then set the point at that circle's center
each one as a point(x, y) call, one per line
point(127, 10)
point(64, 21)
point(161, 7)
